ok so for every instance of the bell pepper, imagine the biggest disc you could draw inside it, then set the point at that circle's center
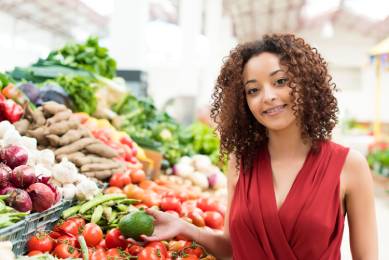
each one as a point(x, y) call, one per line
point(9, 110)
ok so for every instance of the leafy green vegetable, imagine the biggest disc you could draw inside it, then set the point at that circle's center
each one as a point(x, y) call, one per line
point(89, 56)
point(4, 80)
point(81, 90)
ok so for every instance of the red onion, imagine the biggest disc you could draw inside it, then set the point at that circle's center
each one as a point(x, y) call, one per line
point(42, 196)
point(5, 171)
point(19, 200)
point(14, 156)
point(45, 180)
point(6, 190)
point(23, 176)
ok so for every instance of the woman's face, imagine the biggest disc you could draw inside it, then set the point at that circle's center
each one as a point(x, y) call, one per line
point(267, 92)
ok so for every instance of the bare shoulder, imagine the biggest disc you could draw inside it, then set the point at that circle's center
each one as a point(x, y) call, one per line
point(233, 172)
point(356, 171)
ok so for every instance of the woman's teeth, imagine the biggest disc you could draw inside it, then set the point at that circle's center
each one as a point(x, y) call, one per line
point(274, 110)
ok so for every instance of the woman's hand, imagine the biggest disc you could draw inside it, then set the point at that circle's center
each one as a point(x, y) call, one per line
point(166, 226)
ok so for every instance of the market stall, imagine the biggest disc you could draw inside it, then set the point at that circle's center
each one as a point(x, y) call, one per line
point(82, 157)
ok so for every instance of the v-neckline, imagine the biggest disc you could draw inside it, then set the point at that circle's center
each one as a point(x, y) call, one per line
point(294, 184)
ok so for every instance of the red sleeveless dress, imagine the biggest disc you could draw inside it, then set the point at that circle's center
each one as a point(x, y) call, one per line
point(309, 224)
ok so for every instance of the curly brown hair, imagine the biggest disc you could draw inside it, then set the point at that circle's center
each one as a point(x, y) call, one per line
point(312, 92)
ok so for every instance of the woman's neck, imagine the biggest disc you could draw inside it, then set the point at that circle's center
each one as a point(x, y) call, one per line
point(287, 143)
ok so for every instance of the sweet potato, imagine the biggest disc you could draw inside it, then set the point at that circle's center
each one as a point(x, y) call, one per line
point(60, 116)
point(102, 150)
point(22, 126)
point(99, 166)
point(76, 146)
point(62, 127)
point(71, 157)
point(52, 108)
point(36, 116)
point(39, 134)
point(80, 161)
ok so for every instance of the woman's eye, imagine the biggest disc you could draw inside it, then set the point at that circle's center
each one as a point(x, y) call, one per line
point(281, 81)
point(251, 91)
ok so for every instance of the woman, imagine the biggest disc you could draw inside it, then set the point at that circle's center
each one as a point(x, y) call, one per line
point(289, 186)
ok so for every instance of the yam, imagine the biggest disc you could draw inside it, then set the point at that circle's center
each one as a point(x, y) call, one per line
point(22, 126)
point(71, 157)
point(99, 166)
point(75, 147)
point(102, 150)
point(36, 116)
point(39, 134)
point(62, 127)
point(91, 159)
point(54, 140)
point(52, 108)
point(68, 138)
point(60, 116)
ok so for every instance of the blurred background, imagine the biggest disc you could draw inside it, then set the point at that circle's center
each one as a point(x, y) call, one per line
point(172, 51)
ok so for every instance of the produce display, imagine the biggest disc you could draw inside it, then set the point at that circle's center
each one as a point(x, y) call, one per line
point(378, 158)
point(71, 131)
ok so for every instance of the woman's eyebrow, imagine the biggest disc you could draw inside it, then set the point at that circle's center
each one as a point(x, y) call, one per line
point(250, 81)
point(275, 72)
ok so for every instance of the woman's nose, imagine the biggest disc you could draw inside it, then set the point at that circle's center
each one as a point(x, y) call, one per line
point(269, 94)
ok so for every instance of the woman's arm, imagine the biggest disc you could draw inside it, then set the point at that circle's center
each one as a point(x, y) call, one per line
point(360, 208)
point(217, 243)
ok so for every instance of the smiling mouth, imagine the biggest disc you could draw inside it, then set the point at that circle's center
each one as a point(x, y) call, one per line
point(274, 110)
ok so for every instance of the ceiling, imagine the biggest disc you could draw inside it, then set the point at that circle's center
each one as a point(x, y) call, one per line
point(69, 18)
point(253, 18)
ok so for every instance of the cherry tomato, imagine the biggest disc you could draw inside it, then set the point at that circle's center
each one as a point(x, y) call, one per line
point(171, 203)
point(150, 253)
point(66, 251)
point(92, 234)
point(34, 252)
point(40, 242)
point(158, 246)
point(113, 239)
point(134, 250)
point(137, 176)
point(214, 219)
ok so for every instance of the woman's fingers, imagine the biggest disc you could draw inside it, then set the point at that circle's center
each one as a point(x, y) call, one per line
point(150, 238)
point(153, 212)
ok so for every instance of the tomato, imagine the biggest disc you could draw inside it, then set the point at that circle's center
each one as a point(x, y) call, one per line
point(158, 246)
point(98, 254)
point(134, 250)
point(137, 176)
point(171, 203)
point(113, 239)
point(147, 184)
point(188, 206)
point(151, 199)
point(176, 246)
point(66, 251)
point(116, 181)
point(187, 257)
point(214, 219)
point(116, 254)
point(113, 190)
point(207, 204)
point(102, 244)
point(133, 192)
point(79, 221)
point(35, 252)
point(69, 227)
point(191, 248)
point(40, 242)
point(67, 239)
point(150, 253)
point(55, 235)
point(197, 217)
point(92, 234)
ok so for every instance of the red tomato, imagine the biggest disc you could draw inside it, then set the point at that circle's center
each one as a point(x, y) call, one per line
point(40, 242)
point(171, 203)
point(147, 184)
point(187, 257)
point(176, 246)
point(113, 190)
point(66, 251)
point(158, 246)
point(151, 199)
point(98, 254)
point(113, 239)
point(134, 250)
point(191, 248)
point(92, 234)
point(34, 252)
point(67, 239)
point(54, 234)
point(79, 221)
point(197, 217)
point(150, 253)
point(115, 254)
point(188, 206)
point(214, 219)
point(133, 191)
point(102, 244)
point(69, 227)
point(137, 176)
point(116, 180)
